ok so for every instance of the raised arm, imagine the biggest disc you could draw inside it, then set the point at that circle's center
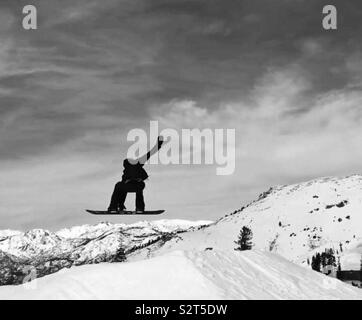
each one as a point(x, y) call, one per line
point(142, 160)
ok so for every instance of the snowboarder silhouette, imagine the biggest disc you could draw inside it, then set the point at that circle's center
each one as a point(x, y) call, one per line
point(133, 179)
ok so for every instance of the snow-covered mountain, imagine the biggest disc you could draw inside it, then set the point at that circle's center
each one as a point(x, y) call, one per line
point(188, 275)
point(295, 221)
point(49, 252)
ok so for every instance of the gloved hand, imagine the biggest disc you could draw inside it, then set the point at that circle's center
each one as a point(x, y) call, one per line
point(160, 142)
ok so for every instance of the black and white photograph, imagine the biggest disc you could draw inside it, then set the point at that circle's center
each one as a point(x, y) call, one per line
point(180, 150)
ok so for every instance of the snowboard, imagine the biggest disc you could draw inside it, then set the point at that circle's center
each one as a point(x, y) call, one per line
point(125, 212)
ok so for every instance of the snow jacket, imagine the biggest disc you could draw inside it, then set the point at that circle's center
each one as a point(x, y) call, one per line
point(133, 171)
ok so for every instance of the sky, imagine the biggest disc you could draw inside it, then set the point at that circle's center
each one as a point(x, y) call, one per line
point(71, 91)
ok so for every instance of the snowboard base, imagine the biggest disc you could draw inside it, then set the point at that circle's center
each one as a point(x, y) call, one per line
point(125, 212)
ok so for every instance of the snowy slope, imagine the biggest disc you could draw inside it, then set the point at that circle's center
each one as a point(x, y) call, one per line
point(49, 252)
point(8, 233)
point(294, 221)
point(188, 275)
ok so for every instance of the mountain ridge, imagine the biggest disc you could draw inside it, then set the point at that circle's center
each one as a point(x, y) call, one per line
point(44, 252)
point(296, 221)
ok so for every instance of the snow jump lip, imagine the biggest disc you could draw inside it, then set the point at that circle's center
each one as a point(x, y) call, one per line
point(120, 213)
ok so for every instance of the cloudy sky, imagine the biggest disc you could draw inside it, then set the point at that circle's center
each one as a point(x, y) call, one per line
point(71, 91)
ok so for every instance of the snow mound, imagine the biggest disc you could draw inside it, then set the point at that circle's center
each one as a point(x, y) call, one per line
point(188, 275)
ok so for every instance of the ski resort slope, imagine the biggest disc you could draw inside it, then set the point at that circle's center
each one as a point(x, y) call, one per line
point(188, 275)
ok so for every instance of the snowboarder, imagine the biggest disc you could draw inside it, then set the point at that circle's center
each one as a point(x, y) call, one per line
point(133, 179)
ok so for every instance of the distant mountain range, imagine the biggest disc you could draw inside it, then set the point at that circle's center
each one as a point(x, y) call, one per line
point(46, 252)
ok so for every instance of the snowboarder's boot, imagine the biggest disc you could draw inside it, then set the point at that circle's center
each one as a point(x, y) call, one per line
point(140, 210)
point(121, 208)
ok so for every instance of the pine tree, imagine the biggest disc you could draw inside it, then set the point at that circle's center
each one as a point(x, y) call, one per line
point(316, 262)
point(244, 241)
point(324, 257)
point(119, 256)
point(328, 258)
